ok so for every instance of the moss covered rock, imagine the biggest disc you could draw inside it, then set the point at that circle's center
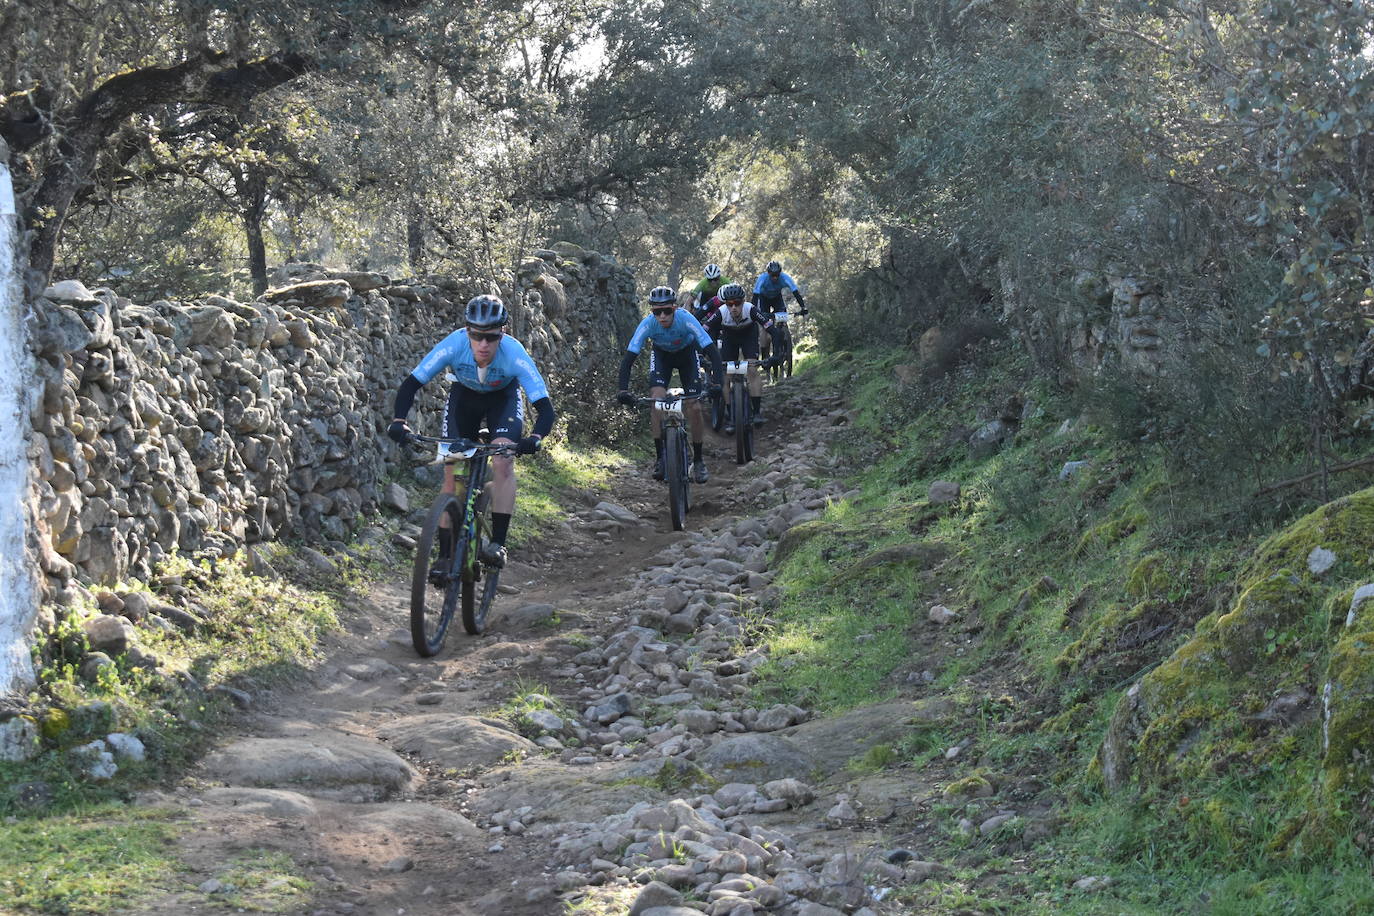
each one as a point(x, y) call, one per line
point(1238, 699)
point(793, 538)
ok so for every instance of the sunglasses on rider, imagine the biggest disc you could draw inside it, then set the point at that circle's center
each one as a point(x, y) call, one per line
point(665, 310)
point(734, 303)
point(485, 336)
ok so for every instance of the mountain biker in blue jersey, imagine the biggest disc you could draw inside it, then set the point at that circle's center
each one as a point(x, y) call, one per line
point(488, 368)
point(676, 338)
point(768, 296)
point(769, 289)
point(737, 326)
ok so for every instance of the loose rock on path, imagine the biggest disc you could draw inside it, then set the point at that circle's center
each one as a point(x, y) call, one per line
point(639, 777)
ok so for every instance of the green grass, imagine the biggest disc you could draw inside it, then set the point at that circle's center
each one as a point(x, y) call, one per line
point(255, 632)
point(1054, 582)
point(92, 862)
point(545, 483)
point(263, 881)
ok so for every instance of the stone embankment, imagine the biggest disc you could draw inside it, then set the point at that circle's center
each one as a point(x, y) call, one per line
point(209, 424)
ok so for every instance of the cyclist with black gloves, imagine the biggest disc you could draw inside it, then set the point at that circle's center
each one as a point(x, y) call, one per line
point(676, 339)
point(738, 325)
point(769, 289)
point(489, 368)
point(768, 292)
point(705, 291)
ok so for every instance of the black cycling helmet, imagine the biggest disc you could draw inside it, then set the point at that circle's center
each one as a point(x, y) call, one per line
point(773, 268)
point(732, 293)
point(485, 311)
point(712, 271)
point(661, 294)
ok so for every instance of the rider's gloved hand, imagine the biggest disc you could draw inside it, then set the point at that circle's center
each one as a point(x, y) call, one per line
point(626, 398)
point(398, 431)
point(804, 311)
point(527, 446)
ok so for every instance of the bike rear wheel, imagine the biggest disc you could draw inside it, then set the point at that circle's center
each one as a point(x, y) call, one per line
point(675, 473)
point(744, 423)
point(432, 603)
point(782, 359)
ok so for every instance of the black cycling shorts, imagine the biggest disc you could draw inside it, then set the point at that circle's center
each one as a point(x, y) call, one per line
point(685, 361)
point(735, 342)
point(502, 410)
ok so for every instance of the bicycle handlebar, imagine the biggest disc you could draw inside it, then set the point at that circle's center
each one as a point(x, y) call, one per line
point(686, 397)
point(466, 448)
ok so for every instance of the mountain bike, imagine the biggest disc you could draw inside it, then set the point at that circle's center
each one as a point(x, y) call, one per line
point(451, 575)
point(739, 409)
point(676, 451)
point(780, 361)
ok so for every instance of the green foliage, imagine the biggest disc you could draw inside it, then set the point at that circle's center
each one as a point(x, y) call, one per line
point(545, 485)
point(1076, 591)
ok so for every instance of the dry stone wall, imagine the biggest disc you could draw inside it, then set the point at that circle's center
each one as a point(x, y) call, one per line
point(202, 425)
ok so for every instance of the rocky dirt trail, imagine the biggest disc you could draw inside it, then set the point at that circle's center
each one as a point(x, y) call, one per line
point(650, 786)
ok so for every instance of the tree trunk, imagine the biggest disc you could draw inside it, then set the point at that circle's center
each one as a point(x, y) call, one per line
point(675, 270)
point(415, 238)
point(257, 250)
point(204, 80)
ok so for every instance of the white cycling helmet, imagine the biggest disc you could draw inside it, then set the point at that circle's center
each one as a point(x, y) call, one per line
point(713, 271)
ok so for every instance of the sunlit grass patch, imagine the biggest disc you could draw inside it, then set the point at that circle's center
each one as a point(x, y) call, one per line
point(251, 631)
point(546, 482)
point(263, 881)
point(94, 862)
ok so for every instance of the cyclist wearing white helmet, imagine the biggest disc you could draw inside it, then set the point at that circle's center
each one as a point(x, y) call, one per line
point(706, 289)
point(676, 339)
point(488, 368)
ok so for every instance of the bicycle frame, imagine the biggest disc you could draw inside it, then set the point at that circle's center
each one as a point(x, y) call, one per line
point(673, 412)
point(467, 525)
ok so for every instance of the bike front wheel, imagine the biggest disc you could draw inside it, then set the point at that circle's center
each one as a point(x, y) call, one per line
point(436, 583)
point(476, 609)
point(744, 423)
point(675, 473)
point(782, 367)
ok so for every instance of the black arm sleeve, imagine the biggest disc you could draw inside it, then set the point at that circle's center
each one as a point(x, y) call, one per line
point(406, 396)
point(717, 368)
point(625, 363)
point(754, 298)
point(796, 294)
point(543, 423)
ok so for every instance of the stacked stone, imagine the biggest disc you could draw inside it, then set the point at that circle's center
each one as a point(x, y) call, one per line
point(202, 426)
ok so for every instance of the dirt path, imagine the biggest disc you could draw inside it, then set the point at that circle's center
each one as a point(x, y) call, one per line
point(384, 784)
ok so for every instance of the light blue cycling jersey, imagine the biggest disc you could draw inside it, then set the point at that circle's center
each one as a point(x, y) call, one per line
point(511, 363)
point(772, 289)
point(685, 331)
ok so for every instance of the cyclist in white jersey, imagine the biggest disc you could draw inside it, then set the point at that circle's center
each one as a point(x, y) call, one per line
point(737, 326)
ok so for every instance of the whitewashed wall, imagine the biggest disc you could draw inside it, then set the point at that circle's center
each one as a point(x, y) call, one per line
point(17, 586)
